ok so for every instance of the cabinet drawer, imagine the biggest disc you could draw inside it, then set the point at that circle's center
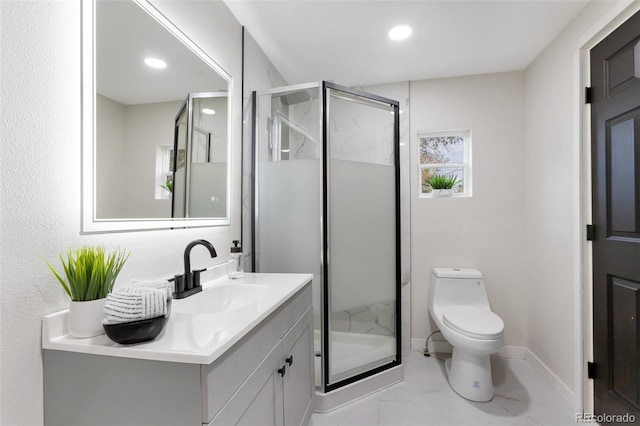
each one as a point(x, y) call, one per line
point(222, 378)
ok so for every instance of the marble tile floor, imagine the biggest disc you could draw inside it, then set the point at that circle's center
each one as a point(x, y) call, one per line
point(522, 397)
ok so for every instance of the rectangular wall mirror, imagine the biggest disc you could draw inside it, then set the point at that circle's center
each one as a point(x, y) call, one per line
point(156, 123)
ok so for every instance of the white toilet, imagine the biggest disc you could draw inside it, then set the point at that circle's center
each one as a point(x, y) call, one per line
point(459, 306)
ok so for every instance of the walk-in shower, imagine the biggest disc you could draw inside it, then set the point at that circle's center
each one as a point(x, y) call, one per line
point(326, 197)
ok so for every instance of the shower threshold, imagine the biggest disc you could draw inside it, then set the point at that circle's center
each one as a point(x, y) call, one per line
point(351, 354)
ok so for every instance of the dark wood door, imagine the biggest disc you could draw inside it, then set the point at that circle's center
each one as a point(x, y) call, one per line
point(615, 114)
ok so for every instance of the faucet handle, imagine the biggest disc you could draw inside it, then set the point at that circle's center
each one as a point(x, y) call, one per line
point(179, 284)
point(196, 277)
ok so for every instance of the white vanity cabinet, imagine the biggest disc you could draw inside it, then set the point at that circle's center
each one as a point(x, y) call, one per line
point(266, 377)
point(278, 391)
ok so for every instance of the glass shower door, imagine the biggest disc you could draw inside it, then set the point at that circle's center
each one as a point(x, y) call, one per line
point(361, 240)
point(326, 200)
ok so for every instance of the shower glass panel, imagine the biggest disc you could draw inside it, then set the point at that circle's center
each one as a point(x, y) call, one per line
point(326, 200)
point(288, 187)
point(361, 248)
point(200, 157)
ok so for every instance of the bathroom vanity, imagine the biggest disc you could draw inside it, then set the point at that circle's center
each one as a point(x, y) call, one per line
point(239, 352)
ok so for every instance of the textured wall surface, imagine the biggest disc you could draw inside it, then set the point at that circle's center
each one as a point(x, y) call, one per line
point(40, 191)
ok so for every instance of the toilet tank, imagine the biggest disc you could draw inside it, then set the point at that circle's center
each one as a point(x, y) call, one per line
point(457, 286)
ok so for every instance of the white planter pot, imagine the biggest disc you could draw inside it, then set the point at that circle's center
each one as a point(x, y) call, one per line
point(85, 318)
point(442, 192)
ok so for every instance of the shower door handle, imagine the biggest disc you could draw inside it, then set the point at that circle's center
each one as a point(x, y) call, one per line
point(282, 371)
point(289, 360)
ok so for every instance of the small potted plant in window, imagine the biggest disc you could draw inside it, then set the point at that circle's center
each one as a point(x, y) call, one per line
point(89, 275)
point(168, 186)
point(443, 185)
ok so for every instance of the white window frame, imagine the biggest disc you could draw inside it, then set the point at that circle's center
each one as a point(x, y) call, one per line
point(163, 171)
point(465, 165)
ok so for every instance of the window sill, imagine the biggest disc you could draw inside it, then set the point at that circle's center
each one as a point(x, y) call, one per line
point(429, 196)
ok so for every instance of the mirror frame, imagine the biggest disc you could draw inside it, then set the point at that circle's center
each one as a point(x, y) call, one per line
point(89, 222)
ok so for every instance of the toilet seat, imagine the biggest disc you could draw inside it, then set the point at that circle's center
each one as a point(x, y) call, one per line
point(473, 322)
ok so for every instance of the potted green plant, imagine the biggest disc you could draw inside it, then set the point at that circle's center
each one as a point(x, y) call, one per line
point(168, 186)
point(442, 185)
point(89, 275)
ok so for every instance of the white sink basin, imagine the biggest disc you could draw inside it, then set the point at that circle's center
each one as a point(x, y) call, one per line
point(223, 298)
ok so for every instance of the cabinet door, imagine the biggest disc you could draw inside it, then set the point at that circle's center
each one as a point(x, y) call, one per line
point(298, 382)
point(259, 400)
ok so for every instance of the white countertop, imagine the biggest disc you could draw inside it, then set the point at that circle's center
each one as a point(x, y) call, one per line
point(192, 335)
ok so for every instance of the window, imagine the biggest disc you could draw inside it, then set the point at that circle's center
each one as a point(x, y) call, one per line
point(445, 154)
point(164, 173)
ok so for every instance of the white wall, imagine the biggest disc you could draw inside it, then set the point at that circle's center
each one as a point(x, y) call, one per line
point(128, 136)
point(485, 231)
point(147, 127)
point(110, 153)
point(554, 231)
point(40, 191)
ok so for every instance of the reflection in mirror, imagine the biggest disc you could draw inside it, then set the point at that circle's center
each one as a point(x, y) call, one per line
point(198, 187)
point(156, 156)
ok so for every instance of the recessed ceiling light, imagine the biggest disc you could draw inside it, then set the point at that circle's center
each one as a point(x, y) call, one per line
point(155, 63)
point(208, 111)
point(400, 32)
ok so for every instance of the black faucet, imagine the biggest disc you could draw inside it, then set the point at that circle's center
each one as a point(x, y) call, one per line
point(189, 283)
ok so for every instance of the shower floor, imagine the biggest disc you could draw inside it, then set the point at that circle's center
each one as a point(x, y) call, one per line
point(353, 353)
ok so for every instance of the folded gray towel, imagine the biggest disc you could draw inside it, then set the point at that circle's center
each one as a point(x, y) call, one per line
point(135, 303)
point(166, 285)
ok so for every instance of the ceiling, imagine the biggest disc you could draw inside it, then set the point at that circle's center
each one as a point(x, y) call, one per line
point(125, 35)
point(346, 41)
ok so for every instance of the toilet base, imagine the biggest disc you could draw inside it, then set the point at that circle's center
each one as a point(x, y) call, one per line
point(470, 375)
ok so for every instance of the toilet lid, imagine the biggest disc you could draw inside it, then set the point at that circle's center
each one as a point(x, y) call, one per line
point(473, 322)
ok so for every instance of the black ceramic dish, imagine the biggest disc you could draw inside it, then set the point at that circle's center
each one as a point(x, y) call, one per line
point(137, 331)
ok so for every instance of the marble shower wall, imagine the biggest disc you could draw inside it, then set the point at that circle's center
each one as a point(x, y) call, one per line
point(378, 318)
point(360, 133)
point(259, 74)
point(306, 142)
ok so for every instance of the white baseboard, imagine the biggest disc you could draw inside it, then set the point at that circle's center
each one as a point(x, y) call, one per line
point(512, 352)
point(554, 381)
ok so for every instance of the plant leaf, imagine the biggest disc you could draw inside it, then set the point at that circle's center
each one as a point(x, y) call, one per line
point(90, 272)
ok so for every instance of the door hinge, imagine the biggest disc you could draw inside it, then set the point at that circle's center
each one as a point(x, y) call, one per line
point(592, 370)
point(590, 233)
point(588, 95)
point(282, 371)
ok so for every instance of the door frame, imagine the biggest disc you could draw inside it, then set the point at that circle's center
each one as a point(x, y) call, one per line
point(583, 291)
